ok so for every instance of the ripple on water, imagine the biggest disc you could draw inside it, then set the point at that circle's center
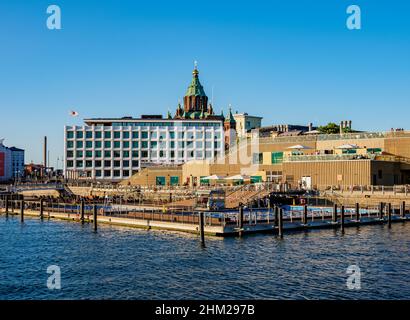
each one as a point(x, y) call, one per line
point(126, 263)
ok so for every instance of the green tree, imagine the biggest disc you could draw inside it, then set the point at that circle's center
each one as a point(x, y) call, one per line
point(332, 128)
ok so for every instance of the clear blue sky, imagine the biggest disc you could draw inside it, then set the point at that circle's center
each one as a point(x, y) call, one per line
point(288, 61)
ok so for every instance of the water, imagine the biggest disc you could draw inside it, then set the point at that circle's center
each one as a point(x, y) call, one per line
point(126, 263)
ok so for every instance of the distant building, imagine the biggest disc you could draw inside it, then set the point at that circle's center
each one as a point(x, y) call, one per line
point(11, 162)
point(117, 148)
point(246, 123)
point(17, 162)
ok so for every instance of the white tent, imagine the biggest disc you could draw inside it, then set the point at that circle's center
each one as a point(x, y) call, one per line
point(213, 177)
point(348, 146)
point(299, 147)
point(239, 177)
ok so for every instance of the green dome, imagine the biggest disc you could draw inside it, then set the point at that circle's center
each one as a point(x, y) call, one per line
point(195, 88)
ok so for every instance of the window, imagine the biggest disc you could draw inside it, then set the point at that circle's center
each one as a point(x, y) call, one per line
point(117, 154)
point(161, 154)
point(199, 144)
point(199, 154)
point(88, 144)
point(257, 158)
point(117, 163)
point(70, 134)
point(79, 134)
point(277, 157)
point(125, 173)
point(144, 144)
point(126, 144)
point(172, 135)
point(135, 135)
point(107, 163)
point(135, 144)
point(79, 154)
point(70, 163)
point(160, 181)
point(135, 154)
point(98, 144)
point(117, 134)
point(98, 173)
point(88, 164)
point(107, 154)
point(107, 144)
point(107, 135)
point(70, 154)
point(174, 180)
point(126, 163)
point(153, 134)
point(98, 134)
point(172, 144)
point(144, 154)
point(117, 173)
point(154, 144)
point(117, 144)
point(97, 163)
point(107, 173)
point(79, 163)
point(126, 135)
point(79, 144)
point(144, 135)
point(172, 154)
point(88, 134)
point(70, 144)
point(89, 154)
point(135, 163)
point(126, 154)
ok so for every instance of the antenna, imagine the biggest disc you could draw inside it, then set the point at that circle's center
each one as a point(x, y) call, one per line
point(212, 98)
point(195, 64)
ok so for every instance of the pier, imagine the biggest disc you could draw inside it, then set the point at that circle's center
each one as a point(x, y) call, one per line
point(277, 220)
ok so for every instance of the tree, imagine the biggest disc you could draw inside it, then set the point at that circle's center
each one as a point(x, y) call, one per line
point(332, 128)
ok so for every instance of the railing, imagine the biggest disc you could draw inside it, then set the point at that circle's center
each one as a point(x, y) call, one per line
point(329, 157)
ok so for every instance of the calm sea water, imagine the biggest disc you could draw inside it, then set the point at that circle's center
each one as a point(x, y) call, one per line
point(125, 263)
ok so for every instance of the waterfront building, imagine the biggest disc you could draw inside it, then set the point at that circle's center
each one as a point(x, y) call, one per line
point(245, 123)
point(11, 162)
point(117, 148)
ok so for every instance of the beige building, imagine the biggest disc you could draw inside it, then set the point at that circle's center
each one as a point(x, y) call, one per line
point(245, 123)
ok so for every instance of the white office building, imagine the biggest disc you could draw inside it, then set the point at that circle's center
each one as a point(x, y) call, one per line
point(115, 149)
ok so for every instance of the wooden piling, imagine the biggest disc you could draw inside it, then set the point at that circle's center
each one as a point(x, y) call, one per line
point(381, 208)
point(41, 209)
point(201, 228)
point(22, 210)
point(82, 209)
point(305, 214)
point(357, 210)
point(240, 217)
point(7, 206)
point(276, 220)
point(95, 217)
point(389, 214)
point(280, 223)
point(342, 219)
point(403, 209)
point(334, 213)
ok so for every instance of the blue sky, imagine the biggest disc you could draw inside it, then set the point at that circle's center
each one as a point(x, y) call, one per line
point(288, 61)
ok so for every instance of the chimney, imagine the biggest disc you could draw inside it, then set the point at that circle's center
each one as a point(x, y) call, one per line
point(310, 126)
point(350, 124)
point(341, 127)
point(45, 152)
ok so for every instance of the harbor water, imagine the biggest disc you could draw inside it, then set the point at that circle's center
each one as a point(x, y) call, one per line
point(127, 263)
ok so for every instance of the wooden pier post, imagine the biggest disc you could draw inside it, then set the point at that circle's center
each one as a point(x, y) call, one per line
point(403, 210)
point(201, 228)
point(305, 213)
point(357, 209)
point(280, 223)
point(276, 220)
point(342, 219)
point(381, 208)
point(7, 206)
point(82, 209)
point(41, 209)
point(21, 210)
point(334, 213)
point(240, 217)
point(389, 214)
point(95, 217)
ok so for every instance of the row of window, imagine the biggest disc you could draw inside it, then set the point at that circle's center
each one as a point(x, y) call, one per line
point(136, 135)
point(144, 144)
point(105, 163)
point(134, 155)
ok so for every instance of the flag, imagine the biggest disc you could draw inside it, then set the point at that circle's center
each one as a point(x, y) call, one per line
point(74, 113)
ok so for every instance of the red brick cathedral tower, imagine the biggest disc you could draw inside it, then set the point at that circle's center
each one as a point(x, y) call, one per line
point(195, 99)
